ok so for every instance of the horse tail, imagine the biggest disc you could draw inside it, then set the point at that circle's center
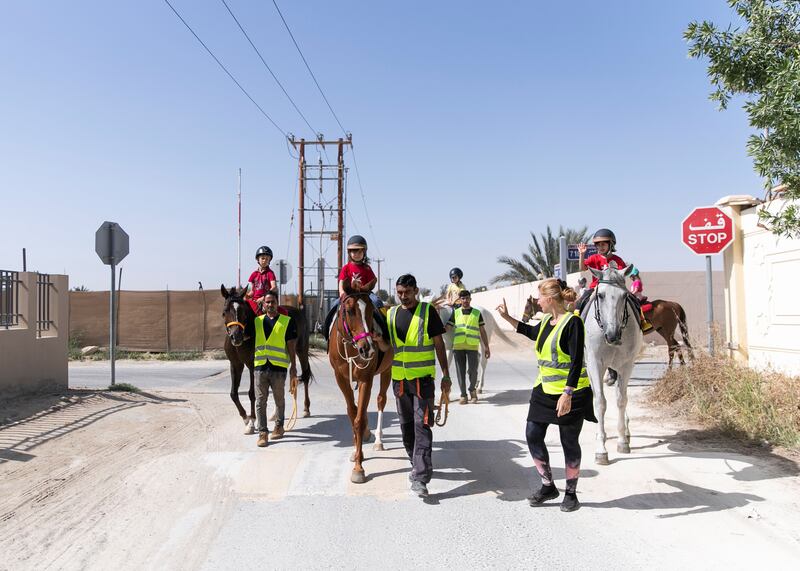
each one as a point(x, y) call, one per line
point(303, 346)
point(684, 327)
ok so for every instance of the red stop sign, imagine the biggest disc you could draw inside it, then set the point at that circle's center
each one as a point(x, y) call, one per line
point(707, 230)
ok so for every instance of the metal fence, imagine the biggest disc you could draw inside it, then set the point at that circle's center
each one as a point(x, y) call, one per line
point(9, 299)
point(43, 319)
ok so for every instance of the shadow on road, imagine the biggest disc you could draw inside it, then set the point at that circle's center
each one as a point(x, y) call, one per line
point(48, 417)
point(694, 499)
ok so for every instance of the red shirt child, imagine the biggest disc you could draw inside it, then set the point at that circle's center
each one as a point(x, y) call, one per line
point(361, 273)
point(262, 280)
point(601, 262)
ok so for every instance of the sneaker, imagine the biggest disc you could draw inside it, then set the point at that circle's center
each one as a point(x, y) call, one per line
point(277, 433)
point(263, 439)
point(570, 502)
point(545, 493)
point(419, 488)
point(462, 400)
point(473, 397)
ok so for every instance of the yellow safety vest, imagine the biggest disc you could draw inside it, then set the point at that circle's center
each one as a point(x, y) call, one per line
point(414, 356)
point(467, 333)
point(554, 364)
point(274, 348)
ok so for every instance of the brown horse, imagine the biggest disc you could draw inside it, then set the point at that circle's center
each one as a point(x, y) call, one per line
point(665, 316)
point(240, 344)
point(356, 360)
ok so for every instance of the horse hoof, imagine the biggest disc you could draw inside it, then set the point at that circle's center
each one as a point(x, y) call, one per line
point(601, 459)
point(623, 448)
point(379, 447)
point(306, 413)
point(358, 477)
point(353, 456)
point(249, 426)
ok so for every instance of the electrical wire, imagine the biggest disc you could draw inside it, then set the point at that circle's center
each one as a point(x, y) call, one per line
point(308, 67)
point(225, 69)
point(269, 69)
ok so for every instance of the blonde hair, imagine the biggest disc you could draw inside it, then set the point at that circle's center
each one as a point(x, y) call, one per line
point(558, 291)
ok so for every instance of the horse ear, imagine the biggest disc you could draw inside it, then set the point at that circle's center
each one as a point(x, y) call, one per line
point(223, 291)
point(596, 273)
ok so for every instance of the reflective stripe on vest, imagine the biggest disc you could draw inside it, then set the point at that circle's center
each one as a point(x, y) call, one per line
point(467, 332)
point(274, 348)
point(554, 364)
point(414, 356)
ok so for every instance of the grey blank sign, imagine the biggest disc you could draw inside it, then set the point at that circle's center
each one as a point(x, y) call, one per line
point(111, 243)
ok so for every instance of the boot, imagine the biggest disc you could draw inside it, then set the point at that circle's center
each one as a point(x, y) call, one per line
point(545, 493)
point(570, 502)
point(462, 400)
point(277, 434)
point(646, 325)
point(473, 397)
point(263, 439)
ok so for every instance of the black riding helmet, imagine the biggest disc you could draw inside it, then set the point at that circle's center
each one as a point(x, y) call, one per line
point(604, 235)
point(264, 250)
point(456, 272)
point(356, 242)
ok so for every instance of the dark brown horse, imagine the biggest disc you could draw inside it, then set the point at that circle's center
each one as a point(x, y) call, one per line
point(355, 359)
point(240, 341)
point(665, 316)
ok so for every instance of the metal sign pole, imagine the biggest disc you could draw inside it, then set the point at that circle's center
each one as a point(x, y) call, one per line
point(562, 256)
point(111, 326)
point(710, 302)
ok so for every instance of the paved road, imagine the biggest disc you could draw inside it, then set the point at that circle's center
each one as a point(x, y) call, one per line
point(199, 494)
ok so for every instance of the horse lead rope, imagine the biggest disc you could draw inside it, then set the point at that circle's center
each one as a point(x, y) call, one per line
point(440, 419)
point(293, 382)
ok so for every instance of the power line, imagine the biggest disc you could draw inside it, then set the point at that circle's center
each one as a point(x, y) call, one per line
point(269, 69)
point(216, 59)
point(364, 201)
point(308, 67)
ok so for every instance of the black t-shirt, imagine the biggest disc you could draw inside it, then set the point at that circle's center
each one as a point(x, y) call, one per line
point(571, 343)
point(403, 321)
point(291, 334)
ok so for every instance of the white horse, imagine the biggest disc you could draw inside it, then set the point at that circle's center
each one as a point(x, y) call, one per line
point(613, 340)
point(491, 328)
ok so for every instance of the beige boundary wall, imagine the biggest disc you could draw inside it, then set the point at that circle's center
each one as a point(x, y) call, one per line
point(762, 274)
point(150, 320)
point(29, 363)
point(687, 288)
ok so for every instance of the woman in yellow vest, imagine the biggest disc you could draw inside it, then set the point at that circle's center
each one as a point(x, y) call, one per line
point(561, 393)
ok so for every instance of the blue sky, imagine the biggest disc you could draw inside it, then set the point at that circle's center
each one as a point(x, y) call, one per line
point(473, 123)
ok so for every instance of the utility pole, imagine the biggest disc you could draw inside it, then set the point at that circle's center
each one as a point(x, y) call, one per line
point(389, 290)
point(319, 210)
point(379, 262)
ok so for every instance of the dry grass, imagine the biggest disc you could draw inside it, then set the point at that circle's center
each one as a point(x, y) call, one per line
point(722, 393)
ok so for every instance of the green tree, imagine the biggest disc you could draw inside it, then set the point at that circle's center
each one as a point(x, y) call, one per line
point(540, 257)
point(759, 61)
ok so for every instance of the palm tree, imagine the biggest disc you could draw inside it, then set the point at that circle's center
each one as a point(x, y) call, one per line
point(540, 258)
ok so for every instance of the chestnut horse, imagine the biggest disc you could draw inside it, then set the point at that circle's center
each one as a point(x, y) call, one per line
point(240, 341)
point(665, 316)
point(355, 359)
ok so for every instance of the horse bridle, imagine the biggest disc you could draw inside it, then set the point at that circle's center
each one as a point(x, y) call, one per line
point(625, 315)
point(347, 335)
point(230, 324)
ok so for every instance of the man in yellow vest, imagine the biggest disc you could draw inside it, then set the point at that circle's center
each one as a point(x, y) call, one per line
point(468, 333)
point(415, 332)
point(276, 337)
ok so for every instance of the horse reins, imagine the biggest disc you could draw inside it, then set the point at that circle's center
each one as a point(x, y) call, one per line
point(625, 314)
point(347, 338)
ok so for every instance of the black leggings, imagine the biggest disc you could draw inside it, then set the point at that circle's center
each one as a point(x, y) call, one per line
point(535, 433)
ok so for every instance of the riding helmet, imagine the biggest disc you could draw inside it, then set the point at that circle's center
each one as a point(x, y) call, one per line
point(264, 250)
point(604, 235)
point(456, 272)
point(356, 242)
point(634, 272)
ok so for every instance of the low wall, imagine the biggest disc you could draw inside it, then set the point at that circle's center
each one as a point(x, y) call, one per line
point(30, 363)
point(687, 288)
point(150, 320)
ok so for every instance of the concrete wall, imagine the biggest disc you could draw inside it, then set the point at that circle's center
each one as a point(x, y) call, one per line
point(687, 288)
point(762, 272)
point(28, 363)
